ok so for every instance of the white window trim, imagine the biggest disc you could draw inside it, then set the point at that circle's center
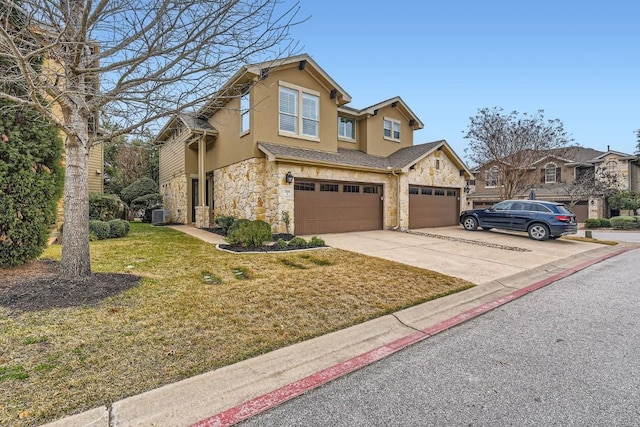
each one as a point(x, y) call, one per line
point(393, 121)
point(346, 138)
point(299, 117)
point(244, 132)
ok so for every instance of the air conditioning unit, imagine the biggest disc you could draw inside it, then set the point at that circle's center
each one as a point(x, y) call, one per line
point(159, 216)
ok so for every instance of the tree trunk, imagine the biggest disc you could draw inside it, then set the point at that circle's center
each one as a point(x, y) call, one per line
point(76, 262)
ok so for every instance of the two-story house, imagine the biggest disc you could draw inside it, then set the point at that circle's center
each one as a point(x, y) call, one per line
point(278, 140)
point(565, 175)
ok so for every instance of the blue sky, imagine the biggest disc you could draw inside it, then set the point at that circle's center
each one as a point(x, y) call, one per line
point(579, 61)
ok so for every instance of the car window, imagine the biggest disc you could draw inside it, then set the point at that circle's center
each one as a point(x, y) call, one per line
point(563, 210)
point(503, 206)
point(539, 208)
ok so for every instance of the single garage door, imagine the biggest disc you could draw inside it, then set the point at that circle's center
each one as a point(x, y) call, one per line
point(336, 207)
point(580, 209)
point(433, 206)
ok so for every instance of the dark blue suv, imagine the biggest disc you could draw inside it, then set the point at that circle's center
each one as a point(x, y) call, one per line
point(541, 219)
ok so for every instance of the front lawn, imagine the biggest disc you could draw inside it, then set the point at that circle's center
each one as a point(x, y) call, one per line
point(195, 309)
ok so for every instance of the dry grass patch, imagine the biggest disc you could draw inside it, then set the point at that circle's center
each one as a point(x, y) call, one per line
point(590, 240)
point(177, 323)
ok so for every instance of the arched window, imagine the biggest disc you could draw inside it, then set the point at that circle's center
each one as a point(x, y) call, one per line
point(551, 173)
point(491, 177)
point(612, 167)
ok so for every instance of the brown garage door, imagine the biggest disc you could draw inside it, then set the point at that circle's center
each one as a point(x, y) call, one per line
point(336, 207)
point(580, 209)
point(432, 206)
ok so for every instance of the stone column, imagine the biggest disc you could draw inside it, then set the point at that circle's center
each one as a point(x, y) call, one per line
point(202, 210)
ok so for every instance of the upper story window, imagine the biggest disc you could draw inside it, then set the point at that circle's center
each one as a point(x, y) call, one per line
point(245, 112)
point(491, 177)
point(551, 173)
point(612, 167)
point(346, 128)
point(391, 129)
point(299, 112)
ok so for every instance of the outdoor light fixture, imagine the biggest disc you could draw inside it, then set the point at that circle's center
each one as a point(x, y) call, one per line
point(467, 188)
point(289, 177)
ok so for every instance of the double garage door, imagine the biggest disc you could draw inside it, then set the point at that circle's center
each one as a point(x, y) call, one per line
point(433, 206)
point(336, 207)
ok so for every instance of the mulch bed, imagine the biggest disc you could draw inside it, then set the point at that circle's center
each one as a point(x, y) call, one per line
point(35, 286)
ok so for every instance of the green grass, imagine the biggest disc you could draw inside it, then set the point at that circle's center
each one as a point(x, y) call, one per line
point(177, 323)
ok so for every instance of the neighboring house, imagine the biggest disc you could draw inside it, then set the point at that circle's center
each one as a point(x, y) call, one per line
point(278, 139)
point(565, 175)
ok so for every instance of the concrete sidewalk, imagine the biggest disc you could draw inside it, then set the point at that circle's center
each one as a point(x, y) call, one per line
point(230, 394)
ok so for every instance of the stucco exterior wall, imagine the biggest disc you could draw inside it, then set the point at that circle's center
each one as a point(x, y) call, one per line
point(175, 196)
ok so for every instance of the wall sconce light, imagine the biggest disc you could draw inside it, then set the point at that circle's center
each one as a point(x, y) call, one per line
point(467, 188)
point(288, 177)
point(593, 202)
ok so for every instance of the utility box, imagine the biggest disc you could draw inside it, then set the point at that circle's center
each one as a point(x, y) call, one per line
point(159, 216)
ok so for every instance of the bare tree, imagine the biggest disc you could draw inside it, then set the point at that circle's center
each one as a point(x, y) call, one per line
point(590, 182)
point(514, 143)
point(135, 61)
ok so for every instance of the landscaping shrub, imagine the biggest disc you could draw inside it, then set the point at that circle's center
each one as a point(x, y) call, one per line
point(280, 244)
point(224, 222)
point(117, 228)
point(592, 223)
point(604, 222)
point(31, 182)
point(249, 233)
point(139, 188)
point(624, 222)
point(100, 228)
point(316, 242)
point(103, 207)
point(297, 242)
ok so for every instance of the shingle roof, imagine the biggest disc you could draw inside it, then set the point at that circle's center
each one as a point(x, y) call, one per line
point(346, 157)
point(194, 122)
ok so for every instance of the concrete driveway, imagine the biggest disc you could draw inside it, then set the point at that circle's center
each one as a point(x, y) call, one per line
point(479, 257)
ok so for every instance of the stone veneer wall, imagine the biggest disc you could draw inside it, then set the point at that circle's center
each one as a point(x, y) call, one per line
point(175, 198)
point(240, 190)
point(256, 189)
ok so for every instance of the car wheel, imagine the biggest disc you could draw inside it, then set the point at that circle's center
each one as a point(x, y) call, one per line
point(470, 223)
point(538, 231)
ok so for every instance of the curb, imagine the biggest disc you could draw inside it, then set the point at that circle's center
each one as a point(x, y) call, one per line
point(276, 397)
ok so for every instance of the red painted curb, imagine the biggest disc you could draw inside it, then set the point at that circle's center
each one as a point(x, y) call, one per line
point(274, 398)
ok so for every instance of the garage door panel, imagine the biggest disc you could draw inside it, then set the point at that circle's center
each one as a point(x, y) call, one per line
point(433, 207)
point(357, 209)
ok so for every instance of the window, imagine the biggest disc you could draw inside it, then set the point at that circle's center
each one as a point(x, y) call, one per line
point(391, 129)
point(426, 192)
point(439, 192)
point(329, 187)
point(346, 128)
point(612, 167)
point(350, 188)
point(245, 117)
point(437, 163)
point(370, 190)
point(304, 186)
point(551, 172)
point(291, 102)
point(491, 177)
point(451, 193)
point(414, 190)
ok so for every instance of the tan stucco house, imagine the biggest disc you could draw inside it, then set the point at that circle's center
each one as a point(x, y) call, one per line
point(278, 139)
point(563, 175)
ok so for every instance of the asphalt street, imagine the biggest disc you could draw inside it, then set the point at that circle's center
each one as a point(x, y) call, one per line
point(565, 355)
